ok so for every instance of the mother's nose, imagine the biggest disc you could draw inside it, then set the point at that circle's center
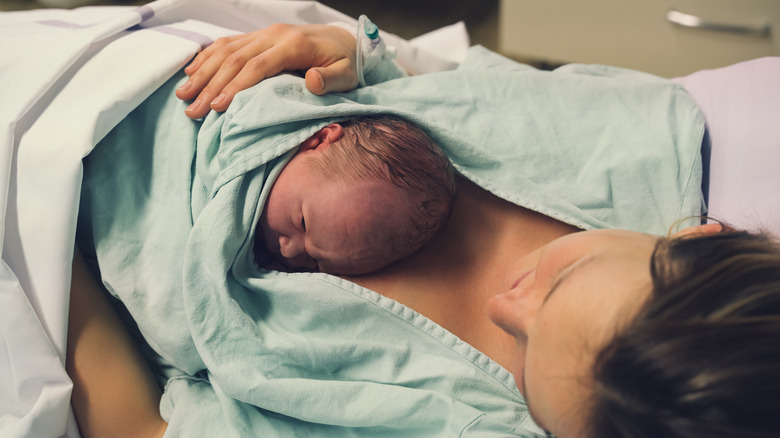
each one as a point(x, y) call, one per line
point(515, 316)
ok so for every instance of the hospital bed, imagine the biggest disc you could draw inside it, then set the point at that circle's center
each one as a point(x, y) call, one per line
point(68, 77)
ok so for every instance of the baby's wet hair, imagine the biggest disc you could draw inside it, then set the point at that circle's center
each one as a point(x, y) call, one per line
point(387, 148)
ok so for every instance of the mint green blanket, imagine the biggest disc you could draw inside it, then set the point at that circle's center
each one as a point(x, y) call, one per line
point(170, 205)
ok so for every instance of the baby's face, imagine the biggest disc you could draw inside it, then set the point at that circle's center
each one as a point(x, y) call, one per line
point(312, 222)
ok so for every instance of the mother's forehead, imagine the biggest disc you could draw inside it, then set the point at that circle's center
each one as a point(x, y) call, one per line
point(595, 299)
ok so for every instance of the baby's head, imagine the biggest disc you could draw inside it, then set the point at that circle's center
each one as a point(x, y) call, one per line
point(357, 196)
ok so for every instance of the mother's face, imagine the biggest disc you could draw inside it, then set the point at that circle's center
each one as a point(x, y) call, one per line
point(564, 303)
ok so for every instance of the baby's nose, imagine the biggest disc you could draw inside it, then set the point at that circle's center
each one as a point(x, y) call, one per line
point(293, 251)
point(291, 246)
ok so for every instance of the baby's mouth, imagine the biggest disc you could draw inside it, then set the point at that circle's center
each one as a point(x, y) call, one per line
point(275, 261)
point(302, 263)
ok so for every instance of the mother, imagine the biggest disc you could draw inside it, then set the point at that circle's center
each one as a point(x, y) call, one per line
point(608, 333)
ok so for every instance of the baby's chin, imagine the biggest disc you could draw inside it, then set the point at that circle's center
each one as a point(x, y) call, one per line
point(280, 265)
point(359, 269)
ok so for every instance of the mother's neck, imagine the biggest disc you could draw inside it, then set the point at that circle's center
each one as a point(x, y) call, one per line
point(451, 278)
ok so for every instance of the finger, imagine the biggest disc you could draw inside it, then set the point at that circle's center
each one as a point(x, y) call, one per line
point(197, 109)
point(199, 79)
point(186, 91)
point(204, 95)
point(206, 65)
point(209, 51)
point(209, 82)
point(339, 76)
point(258, 68)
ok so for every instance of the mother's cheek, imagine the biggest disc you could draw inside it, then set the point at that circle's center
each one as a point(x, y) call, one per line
point(518, 365)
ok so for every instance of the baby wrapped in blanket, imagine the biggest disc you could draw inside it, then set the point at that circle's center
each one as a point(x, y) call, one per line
point(356, 196)
point(351, 198)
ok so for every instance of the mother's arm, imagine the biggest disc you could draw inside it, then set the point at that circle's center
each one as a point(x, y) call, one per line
point(232, 64)
point(114, 392)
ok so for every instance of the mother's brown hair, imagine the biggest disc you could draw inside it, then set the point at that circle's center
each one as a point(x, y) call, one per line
point(702, 358)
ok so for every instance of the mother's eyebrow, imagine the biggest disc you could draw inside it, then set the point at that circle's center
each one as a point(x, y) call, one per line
point(566, 273)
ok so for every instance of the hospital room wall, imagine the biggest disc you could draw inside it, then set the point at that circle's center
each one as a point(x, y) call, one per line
point(665, 37)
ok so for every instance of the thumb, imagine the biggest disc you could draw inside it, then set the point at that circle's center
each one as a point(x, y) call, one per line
point(339, 76)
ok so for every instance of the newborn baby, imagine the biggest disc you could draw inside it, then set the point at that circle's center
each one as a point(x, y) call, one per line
point(355, 197)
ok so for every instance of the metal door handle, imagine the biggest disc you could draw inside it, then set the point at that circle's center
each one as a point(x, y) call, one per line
point(693, 21)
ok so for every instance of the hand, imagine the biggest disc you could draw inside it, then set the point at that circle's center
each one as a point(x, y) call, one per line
point(236, 63)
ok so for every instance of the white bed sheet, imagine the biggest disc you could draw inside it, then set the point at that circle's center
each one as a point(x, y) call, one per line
point(56, 107)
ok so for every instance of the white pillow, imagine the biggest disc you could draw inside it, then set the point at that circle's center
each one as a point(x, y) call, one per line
point(741, 104)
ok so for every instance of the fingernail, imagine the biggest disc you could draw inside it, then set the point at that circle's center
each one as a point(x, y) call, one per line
point(193, 65)
point(218, 100)
point(194, 106)
point(186, 87)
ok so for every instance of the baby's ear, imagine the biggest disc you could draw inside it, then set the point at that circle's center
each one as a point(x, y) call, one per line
point(331, 134)
point(324, 137)
point(699, 230)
